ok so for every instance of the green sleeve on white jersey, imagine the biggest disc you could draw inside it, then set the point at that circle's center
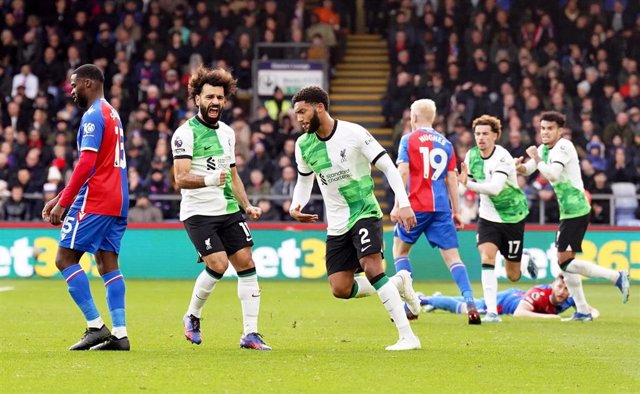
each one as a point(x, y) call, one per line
point(569, 188)
point(303, 167)
point(510, 204)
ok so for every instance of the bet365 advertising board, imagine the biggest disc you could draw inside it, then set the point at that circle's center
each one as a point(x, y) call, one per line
point(287, 252)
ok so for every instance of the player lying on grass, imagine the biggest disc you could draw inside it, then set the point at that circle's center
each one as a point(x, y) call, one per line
point(543, 301)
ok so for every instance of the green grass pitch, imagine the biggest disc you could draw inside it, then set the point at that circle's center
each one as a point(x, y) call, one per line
point(320, 345)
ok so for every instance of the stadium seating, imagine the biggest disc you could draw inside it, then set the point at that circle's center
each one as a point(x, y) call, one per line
point(626, 203)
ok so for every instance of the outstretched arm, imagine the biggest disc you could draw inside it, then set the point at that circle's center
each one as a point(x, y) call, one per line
point(492, 188)
point(525, 309)
point(525, 169)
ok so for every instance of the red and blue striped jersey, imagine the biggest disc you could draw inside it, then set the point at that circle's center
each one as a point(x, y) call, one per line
point(106, 192)
point(430, 157)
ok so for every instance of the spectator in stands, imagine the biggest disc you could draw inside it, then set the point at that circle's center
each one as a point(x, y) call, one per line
point(325, 31)
point(16, 208)
point(514, 145)
point(620, 169)
point(144, 211)
point(399, 96)
point(258, 185)
point(277, 104)
point(37, 170)
point(159, 186)
point(283, 187)
point(50, 71)
point(296, 36)
point(547, 195)
point(318, 49)
point(5, 168)
point(15, 117)
point(261, 160)
point(595, 155)
point(241, 167)
point(27, 80)
point(588, 172)
point(49, 191)
point(600, 208)
point(242, 61)
point(621, 127)
point(469, 207)
point(226, 19)
point(269, 211)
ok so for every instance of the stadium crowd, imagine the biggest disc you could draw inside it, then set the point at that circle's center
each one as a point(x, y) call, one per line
point(509, 58)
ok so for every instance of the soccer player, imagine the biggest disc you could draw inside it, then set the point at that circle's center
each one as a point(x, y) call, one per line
point(427, 162)
point(212, 195)
point(503, 208)
point(340, 154)
point(544, 301)
point(98, 199)
point(557, 160)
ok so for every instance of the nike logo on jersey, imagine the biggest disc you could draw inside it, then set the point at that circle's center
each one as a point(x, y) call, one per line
point(365, 248)
point(249, 239)
point(208, 147)
point(314, 163)
point(255, 295)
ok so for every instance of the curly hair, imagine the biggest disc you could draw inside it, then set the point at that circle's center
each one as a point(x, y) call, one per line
point(312, 95)
point(488, 120)
point(554, 116)
point(214, 77)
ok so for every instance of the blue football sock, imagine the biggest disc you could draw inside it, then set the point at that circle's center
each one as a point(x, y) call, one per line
point(78, 286)
point(403, 263)
point(114, 282)
point(619, 281)
point(460, 276)
point(445, 303)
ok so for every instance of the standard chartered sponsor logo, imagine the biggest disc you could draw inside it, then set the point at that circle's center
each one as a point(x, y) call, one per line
point(335, 176)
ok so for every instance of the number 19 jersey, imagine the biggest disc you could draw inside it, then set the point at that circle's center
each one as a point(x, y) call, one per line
point(430, 156)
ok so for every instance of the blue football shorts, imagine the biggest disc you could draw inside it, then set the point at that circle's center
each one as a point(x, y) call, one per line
point(438, 227)
point(89, 232)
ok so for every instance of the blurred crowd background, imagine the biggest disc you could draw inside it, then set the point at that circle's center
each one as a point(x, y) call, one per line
point(509, 58)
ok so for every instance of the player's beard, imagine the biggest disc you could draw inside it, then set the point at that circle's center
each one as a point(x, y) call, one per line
point(82, 101)
point(314, 123)
point(204, 112)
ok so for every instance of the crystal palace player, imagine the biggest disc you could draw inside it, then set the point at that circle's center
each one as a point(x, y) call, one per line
point(98, 199)
point(426, 160)
point(545, 301)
